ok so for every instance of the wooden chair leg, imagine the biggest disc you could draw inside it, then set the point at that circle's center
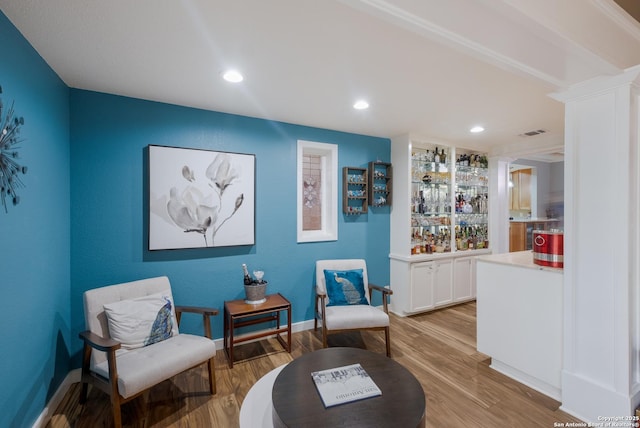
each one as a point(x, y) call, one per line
point(117, 416)
point(115, 393)
point(324, 337)
point(212, 376)
point(388, 340)
point(83, 393)
point(86, 357)
point(316, 316)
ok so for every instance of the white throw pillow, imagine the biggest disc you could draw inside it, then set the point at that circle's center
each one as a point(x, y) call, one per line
point(142, 321)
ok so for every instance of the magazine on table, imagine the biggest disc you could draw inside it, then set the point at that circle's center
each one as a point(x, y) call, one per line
point(344, 384)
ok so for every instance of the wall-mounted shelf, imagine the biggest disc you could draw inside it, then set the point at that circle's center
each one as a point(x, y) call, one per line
point(380, 184)
point(354, 190)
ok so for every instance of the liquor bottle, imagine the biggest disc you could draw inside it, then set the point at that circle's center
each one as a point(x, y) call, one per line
point(430, 156)
point(443, 157)
point(436, 156)
point(247, 277)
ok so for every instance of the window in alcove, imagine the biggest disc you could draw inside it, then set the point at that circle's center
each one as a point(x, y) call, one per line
point(317, 166)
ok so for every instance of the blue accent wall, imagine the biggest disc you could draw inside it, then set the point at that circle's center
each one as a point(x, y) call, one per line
point(34, 237)
point(109, 209)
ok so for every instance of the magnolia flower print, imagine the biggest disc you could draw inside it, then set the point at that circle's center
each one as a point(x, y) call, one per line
point(188, 210)
point(188, 174)
point(188, 213)
point(221, 172)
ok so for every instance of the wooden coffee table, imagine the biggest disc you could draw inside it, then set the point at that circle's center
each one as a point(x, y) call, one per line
point(296, 402)
point(238, 313)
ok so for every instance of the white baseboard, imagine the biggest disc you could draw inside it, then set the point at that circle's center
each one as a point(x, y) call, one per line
point(526, 379)
point(74, 376)
point(590, 399)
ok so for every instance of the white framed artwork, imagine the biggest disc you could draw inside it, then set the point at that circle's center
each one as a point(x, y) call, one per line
point(200, 198)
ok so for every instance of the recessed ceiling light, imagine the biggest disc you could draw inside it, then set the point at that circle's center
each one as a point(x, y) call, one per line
point(476, 129)
point(361, 105)
point(232, 76)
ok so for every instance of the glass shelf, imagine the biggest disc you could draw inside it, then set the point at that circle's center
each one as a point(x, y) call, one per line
point(449, 200)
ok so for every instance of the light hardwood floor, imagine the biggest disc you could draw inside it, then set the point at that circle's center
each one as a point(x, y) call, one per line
point(439, 348)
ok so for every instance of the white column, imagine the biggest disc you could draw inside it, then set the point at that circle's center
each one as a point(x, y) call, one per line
point(499, 204)
point(600, 375)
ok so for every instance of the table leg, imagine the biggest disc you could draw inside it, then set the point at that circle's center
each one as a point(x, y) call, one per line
point(289, 328)
point(224, 330)
point(231, 328)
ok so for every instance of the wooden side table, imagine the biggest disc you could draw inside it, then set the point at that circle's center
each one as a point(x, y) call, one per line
point(238, 313)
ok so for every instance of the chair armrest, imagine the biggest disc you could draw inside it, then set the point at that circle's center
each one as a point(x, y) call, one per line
point(99, 343)
point(197, 310)
point(386, 292)
point(383, 290)
point(205, 312)
point(321, 297)
point(109, 346)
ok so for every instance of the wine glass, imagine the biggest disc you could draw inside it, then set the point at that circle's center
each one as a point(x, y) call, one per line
point(259, 274)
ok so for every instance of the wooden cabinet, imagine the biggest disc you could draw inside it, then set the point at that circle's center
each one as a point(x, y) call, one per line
point(354, 190)
point(464, 279)
point(443, 282)
point(524, 187)
point(520, 192)
point(432, 284)
point(517, 236)
point(380, 184)
point(422, 280)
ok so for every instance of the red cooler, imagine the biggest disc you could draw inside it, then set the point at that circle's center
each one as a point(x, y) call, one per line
point(548, 248)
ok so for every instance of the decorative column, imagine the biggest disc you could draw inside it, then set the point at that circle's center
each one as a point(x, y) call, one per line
point(600, 377)
point(499, 204)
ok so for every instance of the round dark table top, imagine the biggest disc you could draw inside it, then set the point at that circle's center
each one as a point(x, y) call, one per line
point(297, 403)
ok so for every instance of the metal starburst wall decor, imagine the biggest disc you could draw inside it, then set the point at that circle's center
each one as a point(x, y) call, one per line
point(10, 169)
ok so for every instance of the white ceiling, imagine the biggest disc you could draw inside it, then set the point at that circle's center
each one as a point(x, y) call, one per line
point(433, 68)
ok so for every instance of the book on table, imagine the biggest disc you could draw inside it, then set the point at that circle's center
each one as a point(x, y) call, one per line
point(344, 384)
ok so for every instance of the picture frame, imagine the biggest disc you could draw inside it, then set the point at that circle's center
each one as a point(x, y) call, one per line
point(200, 198)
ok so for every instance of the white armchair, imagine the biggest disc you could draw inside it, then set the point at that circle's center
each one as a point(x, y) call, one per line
point(341, 317)
point(141, 357)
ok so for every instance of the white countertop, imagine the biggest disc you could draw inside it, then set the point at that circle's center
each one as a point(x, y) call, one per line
point(531, 220)
point(436, 256)
point(519, 258)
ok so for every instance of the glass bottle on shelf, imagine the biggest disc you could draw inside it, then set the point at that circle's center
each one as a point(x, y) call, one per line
point(471, 201)
point(442, 202)
point(430, 201)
